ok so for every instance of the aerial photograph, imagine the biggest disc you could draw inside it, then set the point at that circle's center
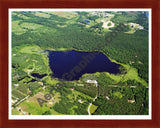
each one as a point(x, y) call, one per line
point(79, 62)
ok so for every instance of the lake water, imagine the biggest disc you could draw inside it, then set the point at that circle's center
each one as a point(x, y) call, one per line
point(38, 75)
point(71, 65)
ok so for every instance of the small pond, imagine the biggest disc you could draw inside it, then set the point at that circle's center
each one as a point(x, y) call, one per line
point(87, 21)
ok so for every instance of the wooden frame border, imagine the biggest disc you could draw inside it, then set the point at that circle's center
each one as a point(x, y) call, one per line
point(6, 4)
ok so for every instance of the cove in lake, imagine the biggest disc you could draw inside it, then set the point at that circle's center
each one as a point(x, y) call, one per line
point(38, 75)
point(71, 65)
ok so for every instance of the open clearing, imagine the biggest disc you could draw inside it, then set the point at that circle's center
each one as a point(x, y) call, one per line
point(31, 25)
point(32, 50)
point(118, 94)
point(133, 27)
point(35, 109)
point(32, 106)
point(93, 108)
point(44, 15)
point(34, 98)
point(16, 28)
point(37, 50)
point(106, 24)
point(67, 15)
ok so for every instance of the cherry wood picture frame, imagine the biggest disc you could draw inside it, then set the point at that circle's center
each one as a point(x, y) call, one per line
point(5, 5)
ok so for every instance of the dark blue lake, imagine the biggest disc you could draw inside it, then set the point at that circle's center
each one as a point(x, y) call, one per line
point(71, 65)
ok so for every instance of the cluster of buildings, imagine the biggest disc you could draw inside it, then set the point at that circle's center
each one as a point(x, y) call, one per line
point(103, 14)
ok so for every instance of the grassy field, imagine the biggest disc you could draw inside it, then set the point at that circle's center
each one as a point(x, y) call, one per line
point(20, 28)
point(67, 15)
point(30, 25)
point(35, 109)
point(31, 50)
point(32, 106)
point(42, 14)
point(93, 108)
point(118, 94)
point(16, 28)
point(15, 112)
point(38, 51)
